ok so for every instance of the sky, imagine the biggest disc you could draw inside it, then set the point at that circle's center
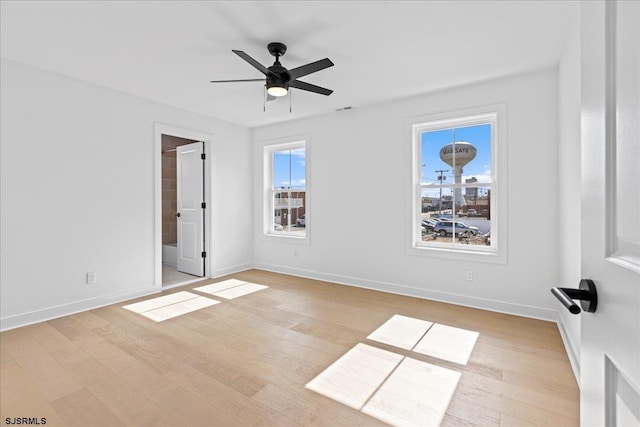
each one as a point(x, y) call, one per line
point(289, 168)
point(479, 167)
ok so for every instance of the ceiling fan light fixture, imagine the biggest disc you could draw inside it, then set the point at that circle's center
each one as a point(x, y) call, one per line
point(277, 88)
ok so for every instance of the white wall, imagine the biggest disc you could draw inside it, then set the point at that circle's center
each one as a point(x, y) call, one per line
point(569, 185)
point(77, 196)
point(77, 193)
point(357, 212)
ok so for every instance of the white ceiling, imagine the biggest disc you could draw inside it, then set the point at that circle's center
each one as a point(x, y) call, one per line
point(383, 50)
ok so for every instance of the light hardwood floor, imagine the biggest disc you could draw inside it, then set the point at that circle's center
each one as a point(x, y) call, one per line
point(246, 362)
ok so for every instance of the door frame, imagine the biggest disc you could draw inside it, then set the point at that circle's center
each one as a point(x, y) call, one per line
point(164, 129)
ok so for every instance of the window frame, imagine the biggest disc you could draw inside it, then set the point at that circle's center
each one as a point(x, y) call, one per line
point(268, 210)
point(496, 115)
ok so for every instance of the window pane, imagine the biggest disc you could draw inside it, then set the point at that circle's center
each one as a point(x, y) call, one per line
point(289, 192)
point(298, 163)
point(298, 218)
point(281, 169)
point(439, 217)
point(473, 226)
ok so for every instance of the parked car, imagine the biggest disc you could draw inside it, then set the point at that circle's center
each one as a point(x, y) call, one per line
point(446, 227)
point(301, 221)
point(429, 224)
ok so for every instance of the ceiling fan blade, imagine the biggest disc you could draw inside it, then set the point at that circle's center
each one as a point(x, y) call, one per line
point(309, 87)
point(233, 81)
point(310, 68)
point(253, 62)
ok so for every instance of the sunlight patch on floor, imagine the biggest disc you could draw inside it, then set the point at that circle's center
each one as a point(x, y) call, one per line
point(170, 306)
point(162, 301)
point(352, 379)
point(179, 303)
point(230, 289)
point(175, 310)
point(448, 343)
point(401, 331)
point(219, 286)
point(397, 389)
point(417, 393)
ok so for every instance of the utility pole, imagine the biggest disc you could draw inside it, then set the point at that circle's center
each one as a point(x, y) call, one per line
point(441, 178)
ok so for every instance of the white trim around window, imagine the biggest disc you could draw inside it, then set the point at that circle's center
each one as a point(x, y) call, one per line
point(290, 199)
point(494, 115)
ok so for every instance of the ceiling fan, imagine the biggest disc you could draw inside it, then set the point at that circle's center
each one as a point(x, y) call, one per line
point(278, 79)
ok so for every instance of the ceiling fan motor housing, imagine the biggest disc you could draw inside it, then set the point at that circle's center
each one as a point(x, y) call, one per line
point(279, 70)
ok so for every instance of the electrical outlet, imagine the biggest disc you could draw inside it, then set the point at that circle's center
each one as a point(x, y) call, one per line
point(469, 274)
point(91, 278)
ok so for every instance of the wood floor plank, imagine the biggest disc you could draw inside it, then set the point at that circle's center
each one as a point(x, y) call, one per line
point(297, 410)
point(15, 387)
point(514, 407)
point(475, 414)
point(539, 399)
point(237, 406)
point(566, 390)
point(246, 361)
point(48, 375)
point(83, 409)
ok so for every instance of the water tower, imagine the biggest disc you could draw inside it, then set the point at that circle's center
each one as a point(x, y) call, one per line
point(458, 154)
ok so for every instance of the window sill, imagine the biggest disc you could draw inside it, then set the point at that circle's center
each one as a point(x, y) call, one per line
point(458, 254)
point(289, 238)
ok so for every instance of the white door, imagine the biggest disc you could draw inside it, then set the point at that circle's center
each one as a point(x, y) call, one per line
point(190, 194)
point(610, 337)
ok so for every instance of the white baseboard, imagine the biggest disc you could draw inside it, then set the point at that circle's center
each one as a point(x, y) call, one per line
point(230, 270)
point(571, 353)
point(474, 302)
point(12, 322)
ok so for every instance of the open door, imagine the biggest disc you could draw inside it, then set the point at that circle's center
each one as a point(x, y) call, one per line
point(190, 197)
point(610, 337)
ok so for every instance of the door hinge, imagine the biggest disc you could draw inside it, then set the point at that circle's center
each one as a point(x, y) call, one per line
point(203, 205)
point(204, 254)
point(203, 156)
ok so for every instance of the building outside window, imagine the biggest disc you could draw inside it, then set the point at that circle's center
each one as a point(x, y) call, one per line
point(455, 175)
point(286, 189)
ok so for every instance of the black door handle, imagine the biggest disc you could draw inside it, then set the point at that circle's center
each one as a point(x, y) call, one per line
point(178, 214)
point(586, 293)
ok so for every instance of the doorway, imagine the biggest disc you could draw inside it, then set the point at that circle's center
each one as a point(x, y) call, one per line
point(181, 206)
point(173, 228)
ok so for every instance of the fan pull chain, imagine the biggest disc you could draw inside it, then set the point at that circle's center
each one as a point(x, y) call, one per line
point(264, 99)
point(290, 96)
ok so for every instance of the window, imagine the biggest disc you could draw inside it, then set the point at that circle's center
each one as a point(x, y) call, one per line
point(454, 203)
point(286, 190)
